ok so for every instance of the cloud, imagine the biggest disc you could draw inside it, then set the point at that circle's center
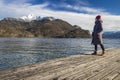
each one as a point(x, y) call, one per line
point(87, 10)
point(74, 6)
point(111, 22)
point(86, 21)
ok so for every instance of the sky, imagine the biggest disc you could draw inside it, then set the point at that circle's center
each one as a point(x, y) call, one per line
point(76, 12)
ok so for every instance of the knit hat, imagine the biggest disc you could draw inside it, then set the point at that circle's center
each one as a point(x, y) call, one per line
point(98, 17)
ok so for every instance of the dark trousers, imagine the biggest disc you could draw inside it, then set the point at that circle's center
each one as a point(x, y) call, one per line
point(102, 47)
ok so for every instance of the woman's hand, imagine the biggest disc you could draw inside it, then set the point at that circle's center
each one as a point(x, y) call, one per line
point(99, 33)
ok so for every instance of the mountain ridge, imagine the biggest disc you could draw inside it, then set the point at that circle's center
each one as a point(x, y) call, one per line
point(111, 34)
point(45, 27)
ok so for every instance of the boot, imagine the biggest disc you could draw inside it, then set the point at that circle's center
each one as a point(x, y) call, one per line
point(103, 52)
point(94, 53)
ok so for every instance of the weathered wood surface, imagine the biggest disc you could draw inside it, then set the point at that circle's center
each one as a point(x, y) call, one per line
point(77, 67)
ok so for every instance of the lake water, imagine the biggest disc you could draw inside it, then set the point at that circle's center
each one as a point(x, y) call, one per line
point(22, 51)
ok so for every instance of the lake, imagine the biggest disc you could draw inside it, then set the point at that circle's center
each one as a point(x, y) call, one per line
point(16, 52)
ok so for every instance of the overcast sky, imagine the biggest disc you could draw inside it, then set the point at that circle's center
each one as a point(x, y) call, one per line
point(76, 12)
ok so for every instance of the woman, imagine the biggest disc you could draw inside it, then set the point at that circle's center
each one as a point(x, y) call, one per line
point(97, 35)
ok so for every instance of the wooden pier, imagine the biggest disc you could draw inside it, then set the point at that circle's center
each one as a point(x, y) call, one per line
point(77, 67)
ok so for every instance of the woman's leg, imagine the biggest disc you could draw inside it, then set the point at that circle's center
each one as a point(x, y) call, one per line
point(102, 46)
point(95, 51)
point(103, 49)
point(95, 48)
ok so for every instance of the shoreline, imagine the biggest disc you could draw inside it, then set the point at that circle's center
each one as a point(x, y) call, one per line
point(79, 67)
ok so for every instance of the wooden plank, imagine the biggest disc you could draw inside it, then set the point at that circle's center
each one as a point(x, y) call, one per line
point(108, 70)
point(117, 77)
point(81, 69)
point(103, 73)
point(89, 71)
point(112, 75)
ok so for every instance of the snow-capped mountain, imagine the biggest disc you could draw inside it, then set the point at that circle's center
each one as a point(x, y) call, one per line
point(31, 17)
point(28, 18)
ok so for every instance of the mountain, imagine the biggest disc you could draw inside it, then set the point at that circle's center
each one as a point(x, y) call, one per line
point(31, 17)
point(28, 18)
point(46, 27)
point(111, 34)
